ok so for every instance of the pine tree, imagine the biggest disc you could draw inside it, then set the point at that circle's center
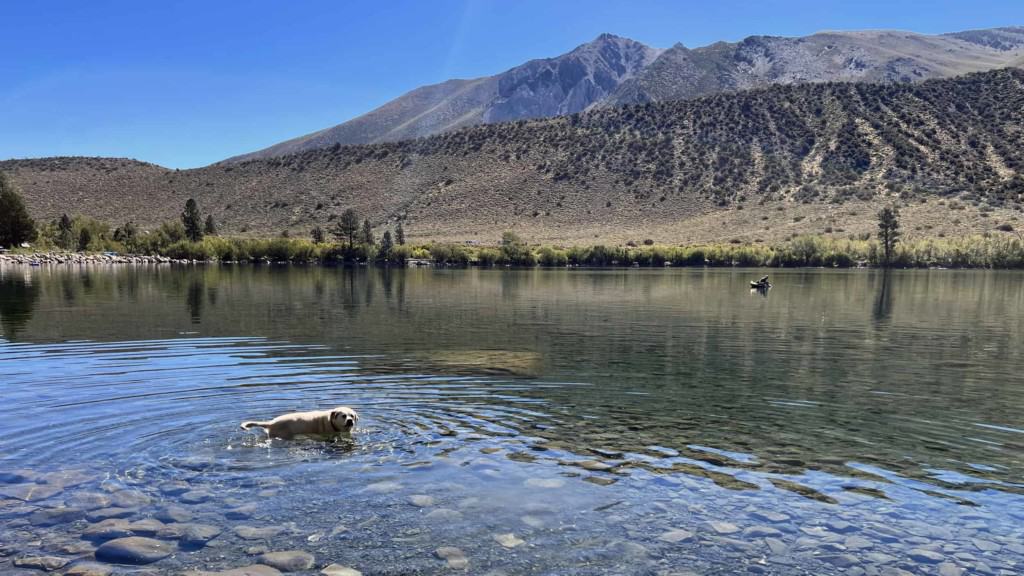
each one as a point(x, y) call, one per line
point(400, 235)
point(193, 221)
point(317, 234)
point(888, 232)
point(347, 227)
point(210, 228)
point(84, 239)
point(65, 236)
point(15, 225)
point(368, 233)
point(385, 246)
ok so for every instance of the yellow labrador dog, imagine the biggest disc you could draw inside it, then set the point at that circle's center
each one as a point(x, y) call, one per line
point(340, 420)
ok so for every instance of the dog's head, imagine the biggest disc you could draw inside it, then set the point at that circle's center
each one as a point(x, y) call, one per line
point(344, 418)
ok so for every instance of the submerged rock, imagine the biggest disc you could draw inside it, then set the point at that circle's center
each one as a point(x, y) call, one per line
point(508, 540)
point(190, 535)
point(421, 500)
point(108, 513)
point(723, 527)
point(676, 536)
point(339, 570)
point(252, 570)
point(455, 557)
point(134, 550)
point(289, 560)
point(174, 514)
point(253, 533)
point(47, 563)
point(769, 516)
point(89, 569)
point(926, 556)
point(107, 530)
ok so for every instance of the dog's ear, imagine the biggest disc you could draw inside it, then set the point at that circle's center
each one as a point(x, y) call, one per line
point(332, 415)
point(355, 415)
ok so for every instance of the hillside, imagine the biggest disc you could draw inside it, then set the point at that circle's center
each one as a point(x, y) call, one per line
point(754, 165)
point(612, 71)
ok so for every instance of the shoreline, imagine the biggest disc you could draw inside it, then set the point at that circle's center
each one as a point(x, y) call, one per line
point(39, 259)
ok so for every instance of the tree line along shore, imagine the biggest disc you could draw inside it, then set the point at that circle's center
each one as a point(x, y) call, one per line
point(351, 241)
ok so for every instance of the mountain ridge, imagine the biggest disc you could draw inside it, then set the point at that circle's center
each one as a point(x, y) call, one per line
point(612, 71)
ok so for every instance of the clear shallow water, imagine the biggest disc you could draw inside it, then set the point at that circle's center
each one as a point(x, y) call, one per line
point(614, 422)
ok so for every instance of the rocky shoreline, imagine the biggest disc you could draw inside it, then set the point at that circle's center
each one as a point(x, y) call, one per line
point(53, 258)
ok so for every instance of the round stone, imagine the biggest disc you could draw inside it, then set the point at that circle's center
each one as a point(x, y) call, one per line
point(288, 560)
point(133, 550)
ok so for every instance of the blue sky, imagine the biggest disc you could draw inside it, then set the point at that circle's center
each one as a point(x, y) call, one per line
point(187, 83)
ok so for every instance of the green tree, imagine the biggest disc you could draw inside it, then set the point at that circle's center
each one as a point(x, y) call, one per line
point(400, 234)
point(126, 235)
point(368, 233)
point(193, 221)
point(385, 246)
point(888, 232)
point(15, 225)
point(317, 234)
point(84, 239)
point(347, 227)
point(514, 251)
point(210, 228)
point(65, 235)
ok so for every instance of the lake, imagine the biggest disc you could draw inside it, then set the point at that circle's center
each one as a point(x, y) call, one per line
point(514, 422)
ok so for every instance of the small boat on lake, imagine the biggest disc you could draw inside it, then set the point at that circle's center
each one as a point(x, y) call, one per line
point(762, 284)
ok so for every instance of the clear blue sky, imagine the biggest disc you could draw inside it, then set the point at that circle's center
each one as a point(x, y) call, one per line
point(187, 83)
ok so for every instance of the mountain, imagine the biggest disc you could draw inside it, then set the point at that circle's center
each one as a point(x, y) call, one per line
point(760, 164)
point(869, 56)
point(539, 88)
point(612, 71)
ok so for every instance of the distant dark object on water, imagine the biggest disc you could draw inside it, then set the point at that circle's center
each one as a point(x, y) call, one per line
point(762, 284)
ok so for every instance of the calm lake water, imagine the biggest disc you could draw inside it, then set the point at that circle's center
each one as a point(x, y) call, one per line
point(541, 422)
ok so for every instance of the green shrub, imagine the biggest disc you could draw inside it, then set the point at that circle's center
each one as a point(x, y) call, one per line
point(551, 257)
